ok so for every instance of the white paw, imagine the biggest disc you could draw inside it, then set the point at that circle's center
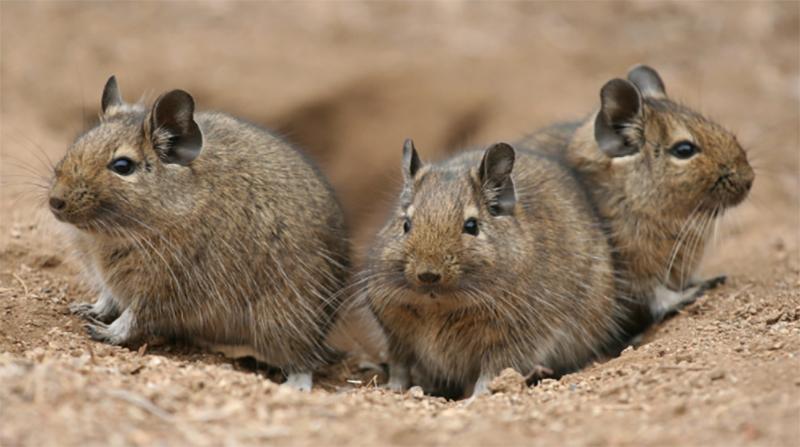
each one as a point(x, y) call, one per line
point(83, 310)
point(399, 378)
point(481, 387)
point(299, 381)
point(398, 386)
point(117, 333)
point(666, 300)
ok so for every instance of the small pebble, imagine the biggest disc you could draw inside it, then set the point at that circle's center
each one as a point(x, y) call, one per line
point(416, 392)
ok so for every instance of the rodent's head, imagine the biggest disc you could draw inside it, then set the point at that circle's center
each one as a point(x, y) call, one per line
point(445, 237)
point(672, 157)
point(132, 168)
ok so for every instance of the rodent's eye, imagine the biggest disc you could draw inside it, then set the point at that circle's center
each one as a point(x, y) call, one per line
point(471, 226)
point(683, 150)
point(122, 166)
point(406, 225)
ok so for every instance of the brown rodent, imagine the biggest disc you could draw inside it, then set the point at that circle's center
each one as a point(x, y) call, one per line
point(204, 228)
point(491, 260)
point(659, 174)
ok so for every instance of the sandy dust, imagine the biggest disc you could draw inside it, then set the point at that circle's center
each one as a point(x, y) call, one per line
point(349, 81)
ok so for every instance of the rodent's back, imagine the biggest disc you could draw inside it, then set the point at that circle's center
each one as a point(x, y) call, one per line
point(270, 226)
point(570, 262)
point(552, 141)
point(260, 178)
point(561, 222)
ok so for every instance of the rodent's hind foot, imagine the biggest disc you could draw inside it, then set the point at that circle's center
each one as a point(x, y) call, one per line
point(299, 381)
point(116, 333)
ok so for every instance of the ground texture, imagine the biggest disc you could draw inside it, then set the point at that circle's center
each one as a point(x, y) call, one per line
point(348, 82)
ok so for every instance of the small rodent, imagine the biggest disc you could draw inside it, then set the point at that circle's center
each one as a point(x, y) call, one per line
point(492, 259)
point(659, 174)
point(201, 227)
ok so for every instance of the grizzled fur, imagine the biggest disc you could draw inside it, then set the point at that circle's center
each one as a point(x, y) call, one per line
point(533, 288)
point(238, 245)
point(659, 208)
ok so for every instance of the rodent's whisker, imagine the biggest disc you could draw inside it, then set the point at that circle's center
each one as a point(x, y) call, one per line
point(26, 168)
point(42, 157)
point(679, 240)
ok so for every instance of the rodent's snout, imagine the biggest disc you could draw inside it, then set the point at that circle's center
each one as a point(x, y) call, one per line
point(745, 177)
point(748, 184)
point(429, 277)
point(58, 200)
point(733, 185)
point(748, 176)
point(72, 204)
point(57, 204)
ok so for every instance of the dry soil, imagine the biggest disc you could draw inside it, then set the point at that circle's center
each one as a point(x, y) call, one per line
point(348, 81)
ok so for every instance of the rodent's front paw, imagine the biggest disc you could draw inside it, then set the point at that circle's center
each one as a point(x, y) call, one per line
point(90, 312)
point(713, 283)
point(399, 378)
point(299, 381)
point(398, 386)
point(83, 310)
point(97, 330)
point(703, 287)
point(395, 387)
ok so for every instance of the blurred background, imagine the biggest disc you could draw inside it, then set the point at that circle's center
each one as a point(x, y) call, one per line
point(348, 81)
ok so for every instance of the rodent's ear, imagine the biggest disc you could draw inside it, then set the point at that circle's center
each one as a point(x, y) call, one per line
point(174, 133)
point(648, 81)
point(411, 161)
point(620, 105)
point(111, 95)
point(496, 182)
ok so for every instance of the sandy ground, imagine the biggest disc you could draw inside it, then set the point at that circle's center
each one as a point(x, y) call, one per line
point(348, 81)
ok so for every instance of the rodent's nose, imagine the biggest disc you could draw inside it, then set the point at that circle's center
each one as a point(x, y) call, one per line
point(57, 204)
point(429, 277)
point(747, 175)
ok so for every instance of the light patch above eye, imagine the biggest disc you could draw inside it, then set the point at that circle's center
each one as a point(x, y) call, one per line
point(126, 150)
point(626, 158)
point(410, 211)
point(470, 211)
point(680, 133)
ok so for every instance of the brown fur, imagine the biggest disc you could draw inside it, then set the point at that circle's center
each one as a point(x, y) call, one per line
point(534, 288)
point(658, 209)
point(243, 247)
